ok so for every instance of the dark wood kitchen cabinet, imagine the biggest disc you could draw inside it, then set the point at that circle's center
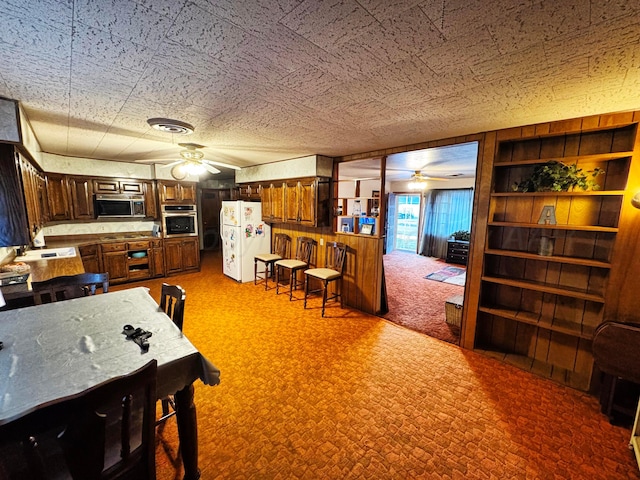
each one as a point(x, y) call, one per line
point(58, 197)
point(91, 258)
point(272, 202)
point(81, 197)
point(69, 197)
point(34, 189)
point(114, 261)
point(156, 253)
point(150, 193)
point(306, 201)
point(13, 213)
point(181, 255)
point(118, 185)
point(177, 192)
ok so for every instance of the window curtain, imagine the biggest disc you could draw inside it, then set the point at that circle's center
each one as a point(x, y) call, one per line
point(445, 212)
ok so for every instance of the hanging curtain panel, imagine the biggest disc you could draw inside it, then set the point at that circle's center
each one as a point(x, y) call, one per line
point(445, 212)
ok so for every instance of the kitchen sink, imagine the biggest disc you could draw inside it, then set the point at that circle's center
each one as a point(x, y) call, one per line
point(47, 254)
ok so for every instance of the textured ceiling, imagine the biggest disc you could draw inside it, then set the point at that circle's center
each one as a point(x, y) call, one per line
point(266, 80)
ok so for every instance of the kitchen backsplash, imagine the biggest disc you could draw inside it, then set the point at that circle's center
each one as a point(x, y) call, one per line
point(97, 228)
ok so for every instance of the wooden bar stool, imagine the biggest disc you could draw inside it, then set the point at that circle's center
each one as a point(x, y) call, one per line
point(332, 272)
point(281, 250)
point(304, 249)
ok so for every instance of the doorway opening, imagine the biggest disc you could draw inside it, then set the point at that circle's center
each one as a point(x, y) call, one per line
point(407, 222)
point(419, 281)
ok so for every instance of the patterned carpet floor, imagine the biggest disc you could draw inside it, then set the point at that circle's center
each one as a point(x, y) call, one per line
point(417, 303)
point(353, 396)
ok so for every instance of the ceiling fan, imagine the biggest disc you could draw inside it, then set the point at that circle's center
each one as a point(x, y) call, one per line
point(418, 180)
point(192, 162)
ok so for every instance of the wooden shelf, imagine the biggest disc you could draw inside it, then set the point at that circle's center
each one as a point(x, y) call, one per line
point(547, 370)
point(588, 193)
point(569, 328)
point(542, 287)
point(584, 228)
point(586, 262)
point(600, 157)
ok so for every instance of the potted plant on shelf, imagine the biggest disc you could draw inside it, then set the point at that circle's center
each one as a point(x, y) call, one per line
point(557, 177)
point(461, 235)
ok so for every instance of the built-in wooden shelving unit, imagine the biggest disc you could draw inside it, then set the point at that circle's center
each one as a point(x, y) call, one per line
point(538, 308)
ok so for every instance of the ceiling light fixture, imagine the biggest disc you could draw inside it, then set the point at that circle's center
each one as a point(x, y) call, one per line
point(418, 181)
point(168, 125)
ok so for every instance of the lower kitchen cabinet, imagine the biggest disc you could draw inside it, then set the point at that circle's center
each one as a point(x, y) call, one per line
point(181, 255)
point(156, 261)
point(114, 261)
point(91, 258)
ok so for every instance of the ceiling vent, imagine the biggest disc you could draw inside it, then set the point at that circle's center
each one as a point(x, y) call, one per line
point(168, 125)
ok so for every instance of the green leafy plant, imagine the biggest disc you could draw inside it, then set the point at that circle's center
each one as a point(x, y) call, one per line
point(557, 177)
point(464, 235)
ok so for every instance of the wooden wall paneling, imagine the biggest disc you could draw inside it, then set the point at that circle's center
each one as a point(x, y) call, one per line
point(524, 344)
point(481, 203)
point(526, 150)
point(563, 126)
point(562, 350)
point(553, 147)
point(542, 345)
point(614, 119)
point(622, 303)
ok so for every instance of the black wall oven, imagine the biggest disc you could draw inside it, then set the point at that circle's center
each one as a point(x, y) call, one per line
point(179, 220)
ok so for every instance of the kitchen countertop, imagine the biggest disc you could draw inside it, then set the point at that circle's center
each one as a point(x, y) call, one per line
point(45, 269)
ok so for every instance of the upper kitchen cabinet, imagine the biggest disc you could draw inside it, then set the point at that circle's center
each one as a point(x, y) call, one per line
point(272, 199)
point(34, 188)
point(58, 197)
point(250, 192)
point(14, 229)
point(291, 191)
point(69, 197)
point(81, 197)
point(306, 201)
point(177, 192)
point(118, 185)
point(357, 205)
point(150, 193)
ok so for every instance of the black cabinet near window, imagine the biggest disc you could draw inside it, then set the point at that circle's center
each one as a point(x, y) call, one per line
point(457, 251)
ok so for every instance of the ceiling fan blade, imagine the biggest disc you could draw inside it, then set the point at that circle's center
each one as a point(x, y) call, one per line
point(220, 164)
point(172, 164)
point(209, 168)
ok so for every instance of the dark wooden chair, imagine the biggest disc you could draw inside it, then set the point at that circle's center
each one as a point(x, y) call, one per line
point(104, 433)
point(304, 251)
point(69, 286)
point(281, 250)
point(335, 257)
point(172, 300)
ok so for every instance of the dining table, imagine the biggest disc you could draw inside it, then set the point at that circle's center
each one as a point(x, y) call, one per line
point(55, 350)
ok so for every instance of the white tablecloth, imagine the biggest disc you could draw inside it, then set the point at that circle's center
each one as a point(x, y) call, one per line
point(60, 349)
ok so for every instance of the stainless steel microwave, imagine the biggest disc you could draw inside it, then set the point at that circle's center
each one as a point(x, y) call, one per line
point(119, 206)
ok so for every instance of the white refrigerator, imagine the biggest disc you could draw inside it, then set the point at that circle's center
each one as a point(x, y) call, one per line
point(244, 234)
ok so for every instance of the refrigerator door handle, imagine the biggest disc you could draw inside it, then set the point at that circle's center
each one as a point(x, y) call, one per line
point(221, 232)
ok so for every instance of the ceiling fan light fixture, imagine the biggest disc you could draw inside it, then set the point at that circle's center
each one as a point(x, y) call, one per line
point(194, 168)
point(179, 172)
point(418, 181)
point(417, 185)
point(168, 125)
